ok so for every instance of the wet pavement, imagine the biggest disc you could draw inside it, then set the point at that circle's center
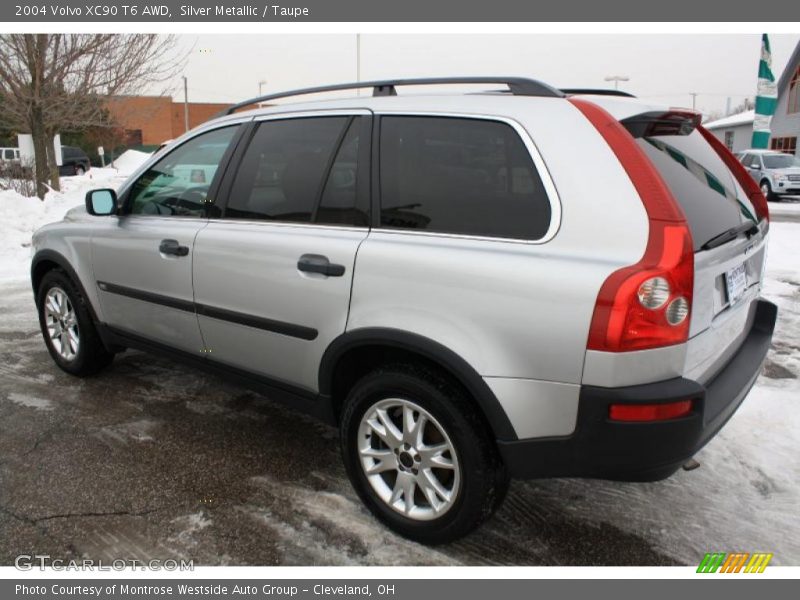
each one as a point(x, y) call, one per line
point(150, 459)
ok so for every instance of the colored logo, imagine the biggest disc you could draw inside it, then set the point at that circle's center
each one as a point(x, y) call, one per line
point(735, 562)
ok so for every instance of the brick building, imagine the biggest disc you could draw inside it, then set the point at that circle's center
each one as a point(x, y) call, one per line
point(151, 120)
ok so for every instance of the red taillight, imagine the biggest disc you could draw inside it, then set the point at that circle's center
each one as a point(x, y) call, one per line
point(621, 320)
point(748, 184)
point(649, 412)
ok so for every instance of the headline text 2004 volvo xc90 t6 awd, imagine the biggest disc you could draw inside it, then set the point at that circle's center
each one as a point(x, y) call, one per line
point(522, 283)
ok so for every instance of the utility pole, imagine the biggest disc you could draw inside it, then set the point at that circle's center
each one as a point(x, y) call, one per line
point(694, 99)
point(186, 103)
point(358, 61)
point(261, 85)
point(616, 79)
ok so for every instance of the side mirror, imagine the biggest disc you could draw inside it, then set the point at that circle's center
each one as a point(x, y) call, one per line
point(101, 202)
point(755, 166)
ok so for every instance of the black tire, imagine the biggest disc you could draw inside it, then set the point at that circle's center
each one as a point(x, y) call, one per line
point(91, 355)
point(770, 195)
point(483, 478)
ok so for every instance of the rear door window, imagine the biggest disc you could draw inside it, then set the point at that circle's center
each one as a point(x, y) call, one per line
point(282, 172)
point(339, 204)
point(707, 191)
point(460, 176)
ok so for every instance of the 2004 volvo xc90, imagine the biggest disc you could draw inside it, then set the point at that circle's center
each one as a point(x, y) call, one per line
point(527, 283)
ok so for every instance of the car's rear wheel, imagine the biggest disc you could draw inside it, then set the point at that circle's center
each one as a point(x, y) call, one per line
point(766, 189)
point(67, 326)
point(418, 455)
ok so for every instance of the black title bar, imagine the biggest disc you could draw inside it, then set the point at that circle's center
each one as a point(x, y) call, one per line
point(42, 11)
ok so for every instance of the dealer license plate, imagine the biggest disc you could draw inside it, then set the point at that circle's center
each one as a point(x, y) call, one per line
point(736, 282)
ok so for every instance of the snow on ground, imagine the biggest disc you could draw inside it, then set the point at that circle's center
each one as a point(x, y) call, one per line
point(21, 216)
point(788, 206)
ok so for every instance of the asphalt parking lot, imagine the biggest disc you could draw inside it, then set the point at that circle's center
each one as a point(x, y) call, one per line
point(154, 460)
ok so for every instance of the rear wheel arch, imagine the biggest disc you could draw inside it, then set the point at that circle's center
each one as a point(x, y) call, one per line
point(356, 353)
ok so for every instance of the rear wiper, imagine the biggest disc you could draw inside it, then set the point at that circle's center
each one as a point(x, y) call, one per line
point(749, 229)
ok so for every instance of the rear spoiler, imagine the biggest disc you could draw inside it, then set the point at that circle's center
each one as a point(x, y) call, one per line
point(671, 122)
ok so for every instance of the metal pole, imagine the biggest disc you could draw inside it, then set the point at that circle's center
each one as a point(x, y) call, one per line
point(694, 99)
point(186, 103)
point(358, 61)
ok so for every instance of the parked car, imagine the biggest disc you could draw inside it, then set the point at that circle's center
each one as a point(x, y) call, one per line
point(74, 161)
point(9, 155)
point(437, 276)
point(9, 162)
point(777, 174)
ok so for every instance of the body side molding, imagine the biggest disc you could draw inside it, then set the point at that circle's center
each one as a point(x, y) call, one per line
point(289, 329)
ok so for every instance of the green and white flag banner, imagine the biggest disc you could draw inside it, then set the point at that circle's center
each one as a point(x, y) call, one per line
point(767, 97)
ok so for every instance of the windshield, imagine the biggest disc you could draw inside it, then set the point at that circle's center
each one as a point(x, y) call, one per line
point(780, 161)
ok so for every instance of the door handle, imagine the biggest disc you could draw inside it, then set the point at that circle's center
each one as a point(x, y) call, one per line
point(173, 247)
point(315, 263)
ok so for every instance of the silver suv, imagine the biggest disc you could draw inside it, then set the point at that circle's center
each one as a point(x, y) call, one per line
point(777, 174)
point(474, 287)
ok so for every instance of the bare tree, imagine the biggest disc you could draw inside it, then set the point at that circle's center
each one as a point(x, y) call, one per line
point(58, 82)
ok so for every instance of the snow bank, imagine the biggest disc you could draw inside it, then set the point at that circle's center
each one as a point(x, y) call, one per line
point(21, 216)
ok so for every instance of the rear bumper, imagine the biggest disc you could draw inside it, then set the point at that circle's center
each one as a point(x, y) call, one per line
point(608, 449)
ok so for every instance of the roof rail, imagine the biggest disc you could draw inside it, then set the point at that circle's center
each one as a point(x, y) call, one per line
point(596, 92)
point(518, 86)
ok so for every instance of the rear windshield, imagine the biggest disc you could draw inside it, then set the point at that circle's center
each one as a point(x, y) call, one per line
point(708, 192)
point(780, 161)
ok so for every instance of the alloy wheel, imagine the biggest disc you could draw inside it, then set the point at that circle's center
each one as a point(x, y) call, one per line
point(408, 459)
point(62, 323)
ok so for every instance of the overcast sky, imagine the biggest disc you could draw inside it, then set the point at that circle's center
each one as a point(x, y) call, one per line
point(668, 67)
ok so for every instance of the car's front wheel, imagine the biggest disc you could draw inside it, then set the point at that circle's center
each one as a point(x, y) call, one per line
point(418, 455)
point(766, 189)
point(68, 329)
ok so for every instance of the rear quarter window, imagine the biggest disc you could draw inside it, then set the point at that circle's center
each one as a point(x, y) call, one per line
point(460, 176)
